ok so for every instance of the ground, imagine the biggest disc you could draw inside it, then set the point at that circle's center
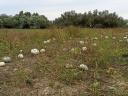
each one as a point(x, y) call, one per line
point(56, 72)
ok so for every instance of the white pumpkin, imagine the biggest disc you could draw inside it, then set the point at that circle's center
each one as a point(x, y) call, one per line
point(113, 37)
point(2, 64)
point(73, 49)
point(35, 51)
point(42, 50)
point(45, 42)
point(48, 41)
point(21, 51)
point(81, 42)
point(125, 37)
point(6, 59)
point(84, 48)
point(21, 56)
point(95, 38)
point(106, 37)
point(94, 44)
point(83, 67)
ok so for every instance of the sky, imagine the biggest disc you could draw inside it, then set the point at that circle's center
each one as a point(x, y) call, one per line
point(54, 8)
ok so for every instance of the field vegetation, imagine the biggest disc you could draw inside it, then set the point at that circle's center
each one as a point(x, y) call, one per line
point(56, 72)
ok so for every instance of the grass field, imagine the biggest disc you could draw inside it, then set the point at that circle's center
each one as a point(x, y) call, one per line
point(47, 74)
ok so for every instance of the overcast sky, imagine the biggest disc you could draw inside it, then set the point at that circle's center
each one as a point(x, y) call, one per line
point(53, 8)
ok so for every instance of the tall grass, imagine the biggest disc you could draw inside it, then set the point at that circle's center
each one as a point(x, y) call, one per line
point(104, 60)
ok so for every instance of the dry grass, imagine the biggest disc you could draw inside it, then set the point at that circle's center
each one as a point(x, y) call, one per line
point(107, 66)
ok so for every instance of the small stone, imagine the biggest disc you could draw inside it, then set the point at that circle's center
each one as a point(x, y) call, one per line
point(54, 39)
point(15, 69)
point(58, 85)
point(69, 91)
point(64, 49)
point(48, 91)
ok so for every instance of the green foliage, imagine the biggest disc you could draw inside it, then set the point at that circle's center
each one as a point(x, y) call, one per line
point(24, 20)
point(95, 19)
point(68, 76)
point(90, 19)
point(107, 61)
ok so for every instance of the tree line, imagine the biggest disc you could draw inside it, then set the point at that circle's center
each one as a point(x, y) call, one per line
point(24, 20)
point(91, 19)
